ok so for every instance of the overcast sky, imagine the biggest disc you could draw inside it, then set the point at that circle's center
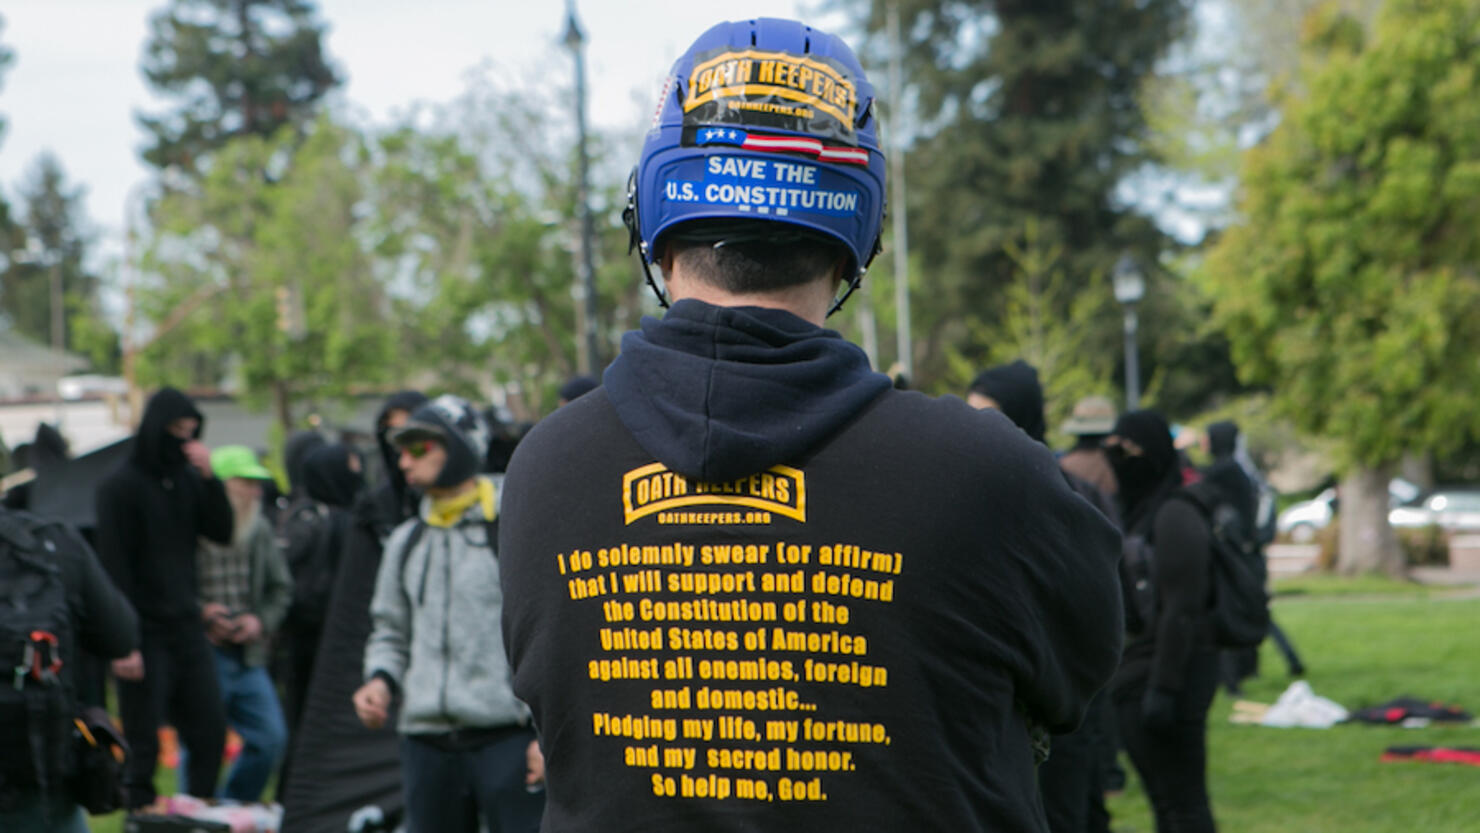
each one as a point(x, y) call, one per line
point(75, 84)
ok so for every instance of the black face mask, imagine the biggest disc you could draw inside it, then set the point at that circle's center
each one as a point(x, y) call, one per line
point(1136, 474)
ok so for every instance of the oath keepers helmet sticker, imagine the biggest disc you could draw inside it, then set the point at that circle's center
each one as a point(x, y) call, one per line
point(653, 490)
point(808, 94)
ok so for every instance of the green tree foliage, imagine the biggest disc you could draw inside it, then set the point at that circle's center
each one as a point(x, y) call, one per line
point(235, 68)
point(1022, 109)
point(51, 242)
point(273, 282)
point(1351, 282)
point(1033, 329)
point(479, 216)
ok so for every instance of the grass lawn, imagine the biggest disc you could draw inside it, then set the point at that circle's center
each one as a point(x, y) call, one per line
point(1363, 641)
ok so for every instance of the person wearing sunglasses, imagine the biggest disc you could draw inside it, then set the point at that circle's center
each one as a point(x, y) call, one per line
point(436, 642)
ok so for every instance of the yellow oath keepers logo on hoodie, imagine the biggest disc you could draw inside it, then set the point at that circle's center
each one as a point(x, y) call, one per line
point(675, 499)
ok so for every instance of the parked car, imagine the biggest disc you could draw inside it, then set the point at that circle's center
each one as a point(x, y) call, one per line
point(1452, 509)
point(1301, 521)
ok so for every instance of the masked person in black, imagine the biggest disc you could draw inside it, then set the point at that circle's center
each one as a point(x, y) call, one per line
point(1072, 780)
point(1234, 474)
point(330, 740)
point(749, 585)
point(331, 480)
point(151, 511)
point(1167, 679)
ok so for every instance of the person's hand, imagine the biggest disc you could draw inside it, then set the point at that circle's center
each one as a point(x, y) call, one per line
point(534, 765)
point(130, 667)
point(200, 457)
point(246, 628)
point(373, 703)
point(1159, 709)
point(218, 623)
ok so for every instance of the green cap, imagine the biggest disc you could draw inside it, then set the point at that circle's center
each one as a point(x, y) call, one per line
point(237, 461)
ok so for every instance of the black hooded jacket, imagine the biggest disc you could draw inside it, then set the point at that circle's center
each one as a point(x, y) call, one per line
point(747, 542)
point(151, 511)
point(392, 501)
point(1179, 536)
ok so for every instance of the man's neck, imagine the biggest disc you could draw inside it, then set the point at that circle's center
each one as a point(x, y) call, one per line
point(808, 301)
point(449, 492)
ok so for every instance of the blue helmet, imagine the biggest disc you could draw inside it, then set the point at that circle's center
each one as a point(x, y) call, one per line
point(763, 120)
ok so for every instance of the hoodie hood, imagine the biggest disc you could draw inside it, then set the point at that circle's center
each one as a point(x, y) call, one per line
point(720, 393)
point(408, 401)
point(1016, 390)
point(295, 452)
point(155, 448)
point(1223, 438)
point(1147, 479)
point(327, 477)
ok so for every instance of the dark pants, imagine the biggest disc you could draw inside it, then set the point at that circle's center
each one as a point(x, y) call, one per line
point(1072, 780)
point(179, 687)
point(438, 780)
point(1173, 762)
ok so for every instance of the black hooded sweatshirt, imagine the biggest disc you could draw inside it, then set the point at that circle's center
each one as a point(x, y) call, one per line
point(151, 511)
point(1179, 537)
point(748, 585)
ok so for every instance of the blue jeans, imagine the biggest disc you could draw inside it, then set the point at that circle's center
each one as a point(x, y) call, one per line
point(439, 783)
point(252, 709)
point(32, 815)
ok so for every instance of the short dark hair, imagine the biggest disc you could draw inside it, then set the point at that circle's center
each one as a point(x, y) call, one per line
point(759, 257)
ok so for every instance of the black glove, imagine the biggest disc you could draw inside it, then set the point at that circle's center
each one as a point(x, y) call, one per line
point(1159, 709)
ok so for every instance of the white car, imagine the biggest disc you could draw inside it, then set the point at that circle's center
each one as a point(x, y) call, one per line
point(1301, 521)
point(1450, 509)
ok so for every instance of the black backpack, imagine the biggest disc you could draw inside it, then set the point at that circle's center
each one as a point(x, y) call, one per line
point(37, 701)
point(1240, 603)
point(310, 543)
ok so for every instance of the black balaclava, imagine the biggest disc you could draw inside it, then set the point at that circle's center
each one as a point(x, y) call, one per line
point(295, 452)
point(1223, 438)
point(327, 477)
point(1146, 478)
point(1016, 390)
point(155, 448)
point(460, 429)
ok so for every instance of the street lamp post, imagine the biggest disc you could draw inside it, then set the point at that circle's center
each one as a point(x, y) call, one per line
point(575, 40)
point(1130, 287)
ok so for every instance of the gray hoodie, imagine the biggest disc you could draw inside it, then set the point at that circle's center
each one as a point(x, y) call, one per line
point(436, 627)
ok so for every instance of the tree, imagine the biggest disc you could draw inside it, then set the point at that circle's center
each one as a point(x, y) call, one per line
point(1022, 109)
point(48, 263)
point(1350, 283)
point(479, 213)
point(236, 68)
point(272, 283)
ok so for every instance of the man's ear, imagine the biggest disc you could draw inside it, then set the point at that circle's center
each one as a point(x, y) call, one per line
point(665, 261)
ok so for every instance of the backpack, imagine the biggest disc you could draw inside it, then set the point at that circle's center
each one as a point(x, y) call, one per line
point(37, 701)
point(1240, 601)
point(1240, 604)
point(310, 544)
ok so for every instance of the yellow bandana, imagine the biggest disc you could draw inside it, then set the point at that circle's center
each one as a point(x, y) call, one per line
point(448, 511)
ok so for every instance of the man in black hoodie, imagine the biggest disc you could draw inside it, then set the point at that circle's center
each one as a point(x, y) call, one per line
point(331, 740)
point(151, 512)
point(1166, 682)
point(1072, 780)
point(747, 584)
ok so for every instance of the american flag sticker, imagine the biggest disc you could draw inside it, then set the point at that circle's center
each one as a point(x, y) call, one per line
point(780, 144)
